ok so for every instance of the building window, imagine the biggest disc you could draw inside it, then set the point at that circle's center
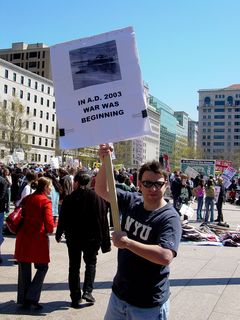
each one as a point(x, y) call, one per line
point(47, 103)
point(36, 85)
point(42, 87)
point(27, 124)
point(219, 103)
point(52, 130)
point(52, 143)
point(45, 158)
point(46, 129)
point(39, 158)
point(47, 116)
point(28, 110)
point(40, 127)
point(34, 125)
point(53, 104)
point(33, 54)
point(41, 101)
point(53, 117)
point(29, 82)
point(5, 88)
point(48, 90)
point(229, 100)
point(21, 94)
point(35, 112)
point(14, 76)
point(218, 143)
point(35, 98)
point(40, 141)
point(6, 74)
point(33, 140)
point(207, 101)
point(46, 142)
point(13, 92)
point(41, 114)
point(219, 116)
point(28, 96)
point(22, 79)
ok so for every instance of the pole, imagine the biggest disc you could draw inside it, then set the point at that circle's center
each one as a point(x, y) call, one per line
point(112, 192)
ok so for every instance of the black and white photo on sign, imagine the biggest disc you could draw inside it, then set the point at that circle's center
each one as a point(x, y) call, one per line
point(95, 64)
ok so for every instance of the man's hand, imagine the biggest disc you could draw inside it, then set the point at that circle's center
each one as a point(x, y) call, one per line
point(104, 149)
point(120, 239)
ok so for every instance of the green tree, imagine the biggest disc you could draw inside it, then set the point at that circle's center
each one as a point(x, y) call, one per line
point(13, 126)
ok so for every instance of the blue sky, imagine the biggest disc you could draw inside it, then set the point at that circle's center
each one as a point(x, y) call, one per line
point(183, 45)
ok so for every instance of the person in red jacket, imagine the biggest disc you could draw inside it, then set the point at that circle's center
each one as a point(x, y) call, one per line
point(32, 243)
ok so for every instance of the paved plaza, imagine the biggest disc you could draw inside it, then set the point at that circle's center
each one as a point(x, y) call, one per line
point(205, 282)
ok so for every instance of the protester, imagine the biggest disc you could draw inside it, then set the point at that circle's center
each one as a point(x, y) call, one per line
point(181, 192)
point(83, 220)
point(54, 195)
point(148, 242)
point(3, 205)
point(27, 187)
point(7, 176)
point(209, 200)
point(199, 193)
point(221, 199)
point(32, 244)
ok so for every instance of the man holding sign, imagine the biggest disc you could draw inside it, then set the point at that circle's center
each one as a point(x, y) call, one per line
point(148, 242)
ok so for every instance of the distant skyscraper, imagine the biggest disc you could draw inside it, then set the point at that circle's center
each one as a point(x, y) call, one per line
point(33, 57)
point(219, 122)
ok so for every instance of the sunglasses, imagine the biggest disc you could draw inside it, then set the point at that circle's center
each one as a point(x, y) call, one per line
point(149, 184)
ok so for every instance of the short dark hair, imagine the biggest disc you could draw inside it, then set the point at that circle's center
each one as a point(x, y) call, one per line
point(153, 166)
point(82, 178)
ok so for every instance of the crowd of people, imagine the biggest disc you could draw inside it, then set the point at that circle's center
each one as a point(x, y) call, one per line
point(76, 204)
point(208, 191)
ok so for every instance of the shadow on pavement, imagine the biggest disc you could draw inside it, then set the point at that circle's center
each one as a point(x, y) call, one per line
point(204, 282)
point(9, 287)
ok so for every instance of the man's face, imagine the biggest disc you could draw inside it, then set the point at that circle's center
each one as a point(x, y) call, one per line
point(152, 186)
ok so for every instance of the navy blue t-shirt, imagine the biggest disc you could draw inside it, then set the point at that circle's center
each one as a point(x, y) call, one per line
point(138, 281)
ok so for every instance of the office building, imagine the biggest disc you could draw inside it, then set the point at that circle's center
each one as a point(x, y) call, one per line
point(36, 95)
point(33, 57)
point(219, 122)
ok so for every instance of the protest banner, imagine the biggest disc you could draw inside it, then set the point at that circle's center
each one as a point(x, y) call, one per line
point(99, 94)
point(99, 90)
point(227, 175)
point(204, 167)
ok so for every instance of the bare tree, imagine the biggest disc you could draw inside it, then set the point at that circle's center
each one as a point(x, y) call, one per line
point(13, 122)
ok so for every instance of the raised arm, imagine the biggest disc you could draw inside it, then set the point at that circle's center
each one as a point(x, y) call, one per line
point(101, 186)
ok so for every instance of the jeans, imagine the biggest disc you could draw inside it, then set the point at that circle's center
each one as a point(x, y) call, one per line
point(90, 259)
point(199, 207)
point(209, 204)
point(28, 288)
point(121, 310)
point(1, 227)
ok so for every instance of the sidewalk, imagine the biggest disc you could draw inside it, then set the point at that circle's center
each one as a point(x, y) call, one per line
point(204, 282)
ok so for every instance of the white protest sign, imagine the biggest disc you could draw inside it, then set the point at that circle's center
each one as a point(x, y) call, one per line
point(192, 173)
point(54, 163)
point(99, 90)
point(216, 193)
point(227, 176)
